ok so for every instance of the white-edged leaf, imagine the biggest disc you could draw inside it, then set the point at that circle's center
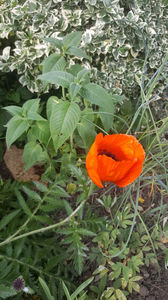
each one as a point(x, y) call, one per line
point(15, 128)
point(57, 77)
point(63, 121)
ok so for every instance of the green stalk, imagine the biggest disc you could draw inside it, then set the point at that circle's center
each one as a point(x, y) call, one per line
point(43, 229)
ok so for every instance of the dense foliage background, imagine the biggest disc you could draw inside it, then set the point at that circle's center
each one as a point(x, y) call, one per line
point(69, 70)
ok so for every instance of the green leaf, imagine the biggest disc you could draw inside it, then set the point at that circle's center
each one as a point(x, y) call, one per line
point(22, 203)
point(74, 89)
point(98, 95)
point(40, 131)
point(13, 110)
point(66, 291)
point(77, 52)
point(120, 295)
point(82, 74)
point(15, 128)
point(33, 153)
point(59, 191)
point(57, 77)
point(6, 219)
point(55, 42)
point(45, 289)
point(41, 187)
point(31, 105)
point(44, 219)
point(72, 39)
point(31, 115)
point(54, 62)
point(86, 232)
point(63, 121)
point(87, 132)
point(31, 194)
point(51, 100)
point(6, 291)
point(81, 288)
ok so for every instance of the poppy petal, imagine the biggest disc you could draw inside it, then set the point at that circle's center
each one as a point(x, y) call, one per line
point(92, 165)
point(117, 158)
point(111, 170)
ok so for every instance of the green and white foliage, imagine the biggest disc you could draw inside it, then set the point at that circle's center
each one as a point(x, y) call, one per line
point(116, 34)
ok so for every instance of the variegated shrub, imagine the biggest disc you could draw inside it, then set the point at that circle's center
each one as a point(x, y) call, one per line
point(117, 35)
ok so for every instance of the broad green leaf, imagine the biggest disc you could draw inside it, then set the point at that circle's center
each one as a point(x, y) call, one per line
point(14, 110)
point(120, 295)
point(57, 77)
point(31, 105)
point(40, 131)
point(66, 291)
point(45, 289)
point(77, 52)
point(23, 203)
point(98, 95)
point(31, 115)
point(15, 128)
point(63, 121)
point(55, 42)
point(74, 89)
point(75, 69)
point(82, 74)
point(72, 39)
point(81, 288)
point(6, 219)
point(32, 154)
point(54, 62)
point(87, 133)
point(51, 100)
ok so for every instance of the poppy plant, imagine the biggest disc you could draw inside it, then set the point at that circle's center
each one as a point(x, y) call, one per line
point(117, 158)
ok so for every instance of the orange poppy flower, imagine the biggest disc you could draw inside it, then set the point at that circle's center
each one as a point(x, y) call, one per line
point(117, 158)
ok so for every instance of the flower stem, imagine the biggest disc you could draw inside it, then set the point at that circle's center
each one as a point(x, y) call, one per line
point(43, 229)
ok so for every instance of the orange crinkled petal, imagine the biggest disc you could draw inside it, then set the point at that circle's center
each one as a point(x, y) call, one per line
point(124, 169)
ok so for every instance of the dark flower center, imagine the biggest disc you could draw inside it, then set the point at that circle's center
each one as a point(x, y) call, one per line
point(18, 284)
point(104, 152)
